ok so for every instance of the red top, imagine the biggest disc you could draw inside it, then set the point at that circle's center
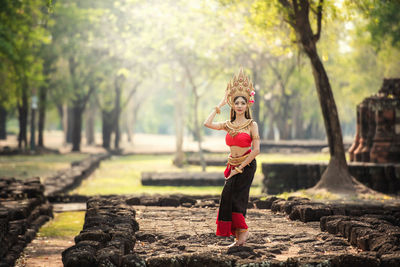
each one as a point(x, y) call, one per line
point(241, 139)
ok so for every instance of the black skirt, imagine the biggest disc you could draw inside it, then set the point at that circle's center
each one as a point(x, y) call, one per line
point(234, 200)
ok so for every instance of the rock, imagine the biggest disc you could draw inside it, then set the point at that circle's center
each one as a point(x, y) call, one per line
point(309, 212)
point(262, 204)
point(133, 260)
point(276, 205)
point(354, 260)
point(93, 235)
point(23, 210)
point(390, 260)
point(146, 237)
point(241, 251)
point(186, 199)
point(133, 201)
point(70, 178)
point(108, 234)
point(79, 257)
point(169, 202)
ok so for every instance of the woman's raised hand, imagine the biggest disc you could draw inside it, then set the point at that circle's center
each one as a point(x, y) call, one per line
point(223, 100)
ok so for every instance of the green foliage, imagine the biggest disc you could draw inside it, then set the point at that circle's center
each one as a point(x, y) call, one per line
point(153, 44)
point(384, 22)
point(22, 33)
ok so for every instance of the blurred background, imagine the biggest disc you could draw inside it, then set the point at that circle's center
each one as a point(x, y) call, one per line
point(101, 72)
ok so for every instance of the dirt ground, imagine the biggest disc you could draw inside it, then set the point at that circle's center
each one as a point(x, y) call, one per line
point(168, 231)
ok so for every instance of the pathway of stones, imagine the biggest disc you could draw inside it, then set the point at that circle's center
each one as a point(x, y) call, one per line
point(167, 232)
point(46, 251)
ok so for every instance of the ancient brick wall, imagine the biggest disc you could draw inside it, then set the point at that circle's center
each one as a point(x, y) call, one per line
point(281, 177)
point(23, 210)
point(107, 238)
point(71, 178)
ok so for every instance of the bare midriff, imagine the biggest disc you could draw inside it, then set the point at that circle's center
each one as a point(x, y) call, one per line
point(237, 151)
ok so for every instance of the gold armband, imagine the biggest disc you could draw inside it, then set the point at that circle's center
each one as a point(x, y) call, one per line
point(217, 110)
point(256, 137)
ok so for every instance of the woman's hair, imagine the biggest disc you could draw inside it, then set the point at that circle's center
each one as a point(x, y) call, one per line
point(247, 113)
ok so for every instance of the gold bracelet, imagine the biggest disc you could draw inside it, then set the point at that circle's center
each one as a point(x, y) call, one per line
point(238, 170)
point(217, 109)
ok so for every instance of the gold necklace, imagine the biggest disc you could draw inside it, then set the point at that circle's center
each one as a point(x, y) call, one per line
point(235, 129)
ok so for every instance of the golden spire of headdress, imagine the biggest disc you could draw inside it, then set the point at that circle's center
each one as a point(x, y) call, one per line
point(240, 85)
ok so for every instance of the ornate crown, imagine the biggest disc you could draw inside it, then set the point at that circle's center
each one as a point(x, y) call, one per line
point(240, 85)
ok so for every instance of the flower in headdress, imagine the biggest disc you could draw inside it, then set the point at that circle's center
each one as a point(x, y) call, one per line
point(252, 93)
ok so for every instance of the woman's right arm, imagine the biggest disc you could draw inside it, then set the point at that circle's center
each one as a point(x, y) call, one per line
point(209, 121)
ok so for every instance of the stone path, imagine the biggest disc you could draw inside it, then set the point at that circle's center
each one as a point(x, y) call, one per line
point(168, 232)
point(46, 251)
point(165, 232)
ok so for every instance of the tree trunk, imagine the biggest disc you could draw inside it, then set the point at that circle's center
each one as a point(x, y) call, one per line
point(298, 122)
point(271, 131)
point(117, 110)
point(179, 123)
point(76, 126)
point(89, 125)
point(33, 130)
point(128, 129)
point(107, 127)
point(42, 114)
point(23, 117)
point(3, 123)
point(64, 121)
point(256, 105)
point(197, 131)
point(336, 177)
point(70, 124)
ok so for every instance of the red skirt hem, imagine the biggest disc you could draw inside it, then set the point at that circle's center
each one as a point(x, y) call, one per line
point(227, 228)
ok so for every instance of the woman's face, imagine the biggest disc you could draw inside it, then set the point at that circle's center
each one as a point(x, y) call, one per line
point(240, 105)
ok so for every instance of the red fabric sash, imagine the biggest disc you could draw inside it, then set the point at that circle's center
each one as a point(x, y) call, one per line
point(229, 167)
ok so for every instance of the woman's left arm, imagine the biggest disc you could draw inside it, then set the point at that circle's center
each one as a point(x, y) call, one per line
point(256, 146)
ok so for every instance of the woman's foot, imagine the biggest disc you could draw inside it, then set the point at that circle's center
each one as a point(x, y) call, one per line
point(242, 236)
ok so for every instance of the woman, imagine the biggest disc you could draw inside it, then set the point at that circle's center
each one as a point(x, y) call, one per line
point(242, 132)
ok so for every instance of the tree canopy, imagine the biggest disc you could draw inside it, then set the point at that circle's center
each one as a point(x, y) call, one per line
point(129, 56)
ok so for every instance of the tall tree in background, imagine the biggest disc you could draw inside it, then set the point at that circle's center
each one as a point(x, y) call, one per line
point(300, 14)
point(297, 13)
point(21, 35)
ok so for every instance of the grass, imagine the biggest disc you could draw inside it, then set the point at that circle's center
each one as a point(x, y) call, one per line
point(64, 225)
point(122, 175)
point(304, 193)
point(27, 166)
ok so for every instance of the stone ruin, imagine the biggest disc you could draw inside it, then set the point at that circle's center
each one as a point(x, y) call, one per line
point(378, 126)
point(107, 238)
point(110, 236)
point(23, 210)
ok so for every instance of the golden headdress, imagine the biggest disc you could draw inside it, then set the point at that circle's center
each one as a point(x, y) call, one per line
point(240, 85)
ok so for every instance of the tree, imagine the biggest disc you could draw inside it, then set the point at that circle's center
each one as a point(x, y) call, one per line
point(299, 15)
point(21, 36)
